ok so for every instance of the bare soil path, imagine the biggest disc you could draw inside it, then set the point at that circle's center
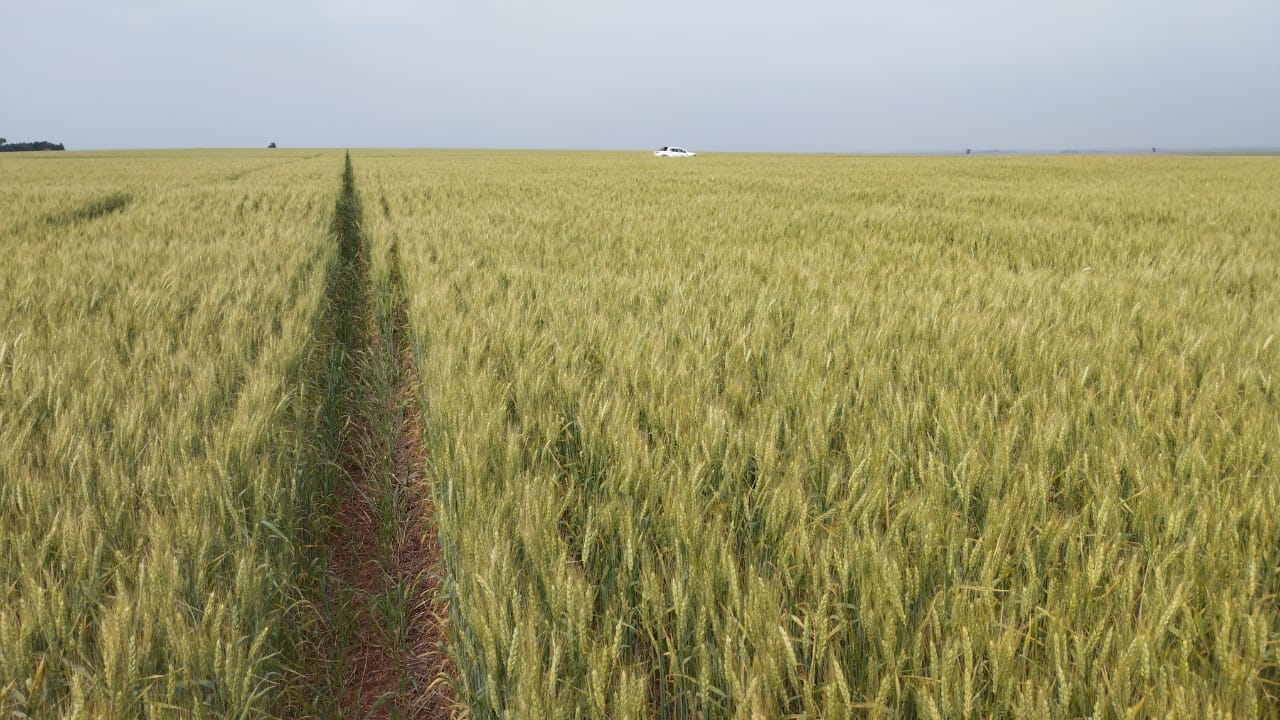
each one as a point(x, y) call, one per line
point(385, 635)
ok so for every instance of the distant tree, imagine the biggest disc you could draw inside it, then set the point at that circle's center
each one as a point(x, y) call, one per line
point(272, 146)
point(1153, 149)
point(968, 151)
point(3, 141)
point(7, 146)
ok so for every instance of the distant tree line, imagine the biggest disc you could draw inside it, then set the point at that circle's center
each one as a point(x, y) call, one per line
point(6, 146)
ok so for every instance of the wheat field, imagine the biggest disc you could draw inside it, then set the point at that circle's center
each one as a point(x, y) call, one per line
point(754, 436)
point(741, 436)
point(156, 310)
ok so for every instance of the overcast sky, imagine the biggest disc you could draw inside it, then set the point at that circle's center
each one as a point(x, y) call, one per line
point(815, 76)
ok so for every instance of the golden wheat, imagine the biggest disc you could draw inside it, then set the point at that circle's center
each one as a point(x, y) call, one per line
point(757, 436)
point(155, 314)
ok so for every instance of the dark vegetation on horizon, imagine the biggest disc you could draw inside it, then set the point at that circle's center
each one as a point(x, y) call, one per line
point(6, 146)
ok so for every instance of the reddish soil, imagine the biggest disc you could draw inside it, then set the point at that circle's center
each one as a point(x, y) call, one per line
point(407, 676)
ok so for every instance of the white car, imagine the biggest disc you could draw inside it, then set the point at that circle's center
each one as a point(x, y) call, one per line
point(665, 151)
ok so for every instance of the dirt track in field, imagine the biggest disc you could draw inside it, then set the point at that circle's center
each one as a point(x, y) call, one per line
point(387, 643)
point(401, 671)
